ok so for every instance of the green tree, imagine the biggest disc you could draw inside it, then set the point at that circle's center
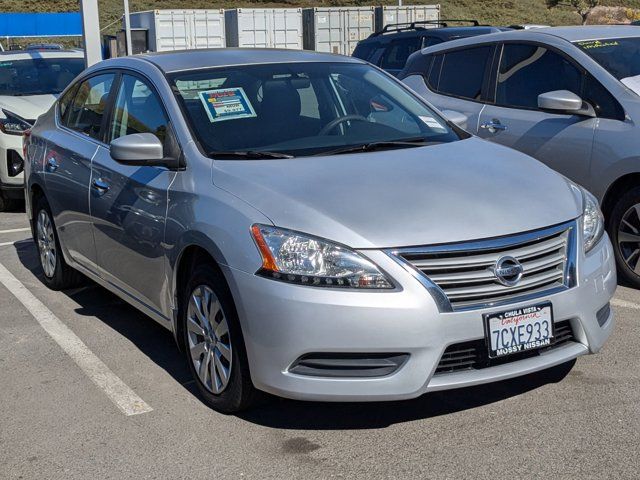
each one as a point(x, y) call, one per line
point(581, 7)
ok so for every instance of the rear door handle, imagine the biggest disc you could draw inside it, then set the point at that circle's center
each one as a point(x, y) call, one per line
point(100, 185)
point(494, 126)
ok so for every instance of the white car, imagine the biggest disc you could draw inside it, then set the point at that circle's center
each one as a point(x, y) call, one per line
point(29, 84)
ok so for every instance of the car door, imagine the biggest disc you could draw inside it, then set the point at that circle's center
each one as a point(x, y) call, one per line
point(129, 203)
point(562, 141)
point(455, 80)
point(70, 150)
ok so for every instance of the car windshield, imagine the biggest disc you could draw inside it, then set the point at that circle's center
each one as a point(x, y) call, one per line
point(300, 109)
point(37, 76)
point(619, 56)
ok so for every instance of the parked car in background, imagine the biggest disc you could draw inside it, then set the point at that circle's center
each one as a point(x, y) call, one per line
point(307, 226)
point(568, 96)
point(29, 84)
point(390, 47)
point(43, 46)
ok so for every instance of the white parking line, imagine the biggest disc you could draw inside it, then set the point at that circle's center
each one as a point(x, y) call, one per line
point(616, 302)
point(117, 391)
point(15, 230)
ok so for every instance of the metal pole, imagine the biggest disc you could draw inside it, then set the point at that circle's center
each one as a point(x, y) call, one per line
point(91, 31)
point(127, 28)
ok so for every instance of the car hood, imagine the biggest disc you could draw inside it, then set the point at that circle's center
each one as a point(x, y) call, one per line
point(28, 107)
point(460, 191)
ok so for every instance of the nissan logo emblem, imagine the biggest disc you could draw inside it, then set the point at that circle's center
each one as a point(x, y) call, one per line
point(508, 271)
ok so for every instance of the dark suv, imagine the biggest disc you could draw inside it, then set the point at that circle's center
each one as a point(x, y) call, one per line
point(390, 47)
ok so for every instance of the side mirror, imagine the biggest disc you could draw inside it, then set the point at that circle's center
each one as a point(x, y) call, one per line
point(564, 101)
point(460, 119)
point(138, 149)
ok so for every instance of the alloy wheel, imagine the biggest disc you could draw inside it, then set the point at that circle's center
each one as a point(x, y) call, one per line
point(46, 244)
point(209, 339)
point(629, 238)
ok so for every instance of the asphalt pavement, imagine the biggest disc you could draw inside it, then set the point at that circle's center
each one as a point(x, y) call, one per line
point(59, 416)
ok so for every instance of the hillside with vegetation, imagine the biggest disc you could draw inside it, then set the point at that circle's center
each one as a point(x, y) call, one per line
point(495, 12)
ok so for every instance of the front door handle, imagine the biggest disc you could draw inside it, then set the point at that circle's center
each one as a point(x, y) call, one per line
point(100, 185)
point(494, 126)
point(52, 165)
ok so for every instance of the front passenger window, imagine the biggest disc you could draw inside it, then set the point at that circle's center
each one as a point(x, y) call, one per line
point(87, 110)
point(527, 71)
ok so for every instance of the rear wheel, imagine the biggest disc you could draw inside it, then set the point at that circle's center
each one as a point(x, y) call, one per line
point(57, 274)
point(213, 342)
point(624, 230)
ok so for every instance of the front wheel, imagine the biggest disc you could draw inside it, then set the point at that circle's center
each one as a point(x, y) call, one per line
point(624, 231)
point(213, 342)
point(57, 274)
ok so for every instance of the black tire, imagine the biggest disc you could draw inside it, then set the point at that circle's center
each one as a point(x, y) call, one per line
point(63, 276)
point(622, 206)
point(239, 393)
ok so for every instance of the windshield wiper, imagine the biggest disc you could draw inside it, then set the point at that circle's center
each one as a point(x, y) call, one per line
point(372, 146)
point(248, 154)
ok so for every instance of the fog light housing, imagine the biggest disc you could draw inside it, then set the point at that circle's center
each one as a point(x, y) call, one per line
point(15, 163)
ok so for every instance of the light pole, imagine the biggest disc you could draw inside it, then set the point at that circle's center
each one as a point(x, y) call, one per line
point(91, 31)
point(127, 28)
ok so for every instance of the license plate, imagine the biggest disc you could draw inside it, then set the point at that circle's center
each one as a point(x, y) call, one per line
point(519, 330)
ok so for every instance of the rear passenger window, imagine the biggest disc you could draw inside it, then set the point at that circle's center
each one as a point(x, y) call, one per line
point(527, 71)
point(431, 41)
point(463, 72)
point(398, 51)
point(65, 101)
point(89, 105)
point(364, 51)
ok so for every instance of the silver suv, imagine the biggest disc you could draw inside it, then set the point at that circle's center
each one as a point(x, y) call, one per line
point(307, 226)
point(569, 97)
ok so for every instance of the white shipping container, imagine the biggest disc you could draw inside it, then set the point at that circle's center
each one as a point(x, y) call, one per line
point(264, 27)
point(337, 29)
point(181, 29)
point(389, 15)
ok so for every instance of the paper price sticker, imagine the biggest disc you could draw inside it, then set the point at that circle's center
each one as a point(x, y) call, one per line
point(226, 104)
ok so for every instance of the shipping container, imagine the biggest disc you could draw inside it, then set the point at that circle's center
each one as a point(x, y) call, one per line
point(337, 29)
point(181, 29)
point(264, 27)
point(388, 15)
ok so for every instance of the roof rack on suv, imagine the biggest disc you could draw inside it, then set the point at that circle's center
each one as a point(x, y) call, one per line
point(418, 25)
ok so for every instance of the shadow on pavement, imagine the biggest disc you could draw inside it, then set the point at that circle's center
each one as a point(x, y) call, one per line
point(158, 344)
point(149, 337)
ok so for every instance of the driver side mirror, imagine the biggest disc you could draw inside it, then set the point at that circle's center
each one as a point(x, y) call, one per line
point(138, 149)
point(564, 101)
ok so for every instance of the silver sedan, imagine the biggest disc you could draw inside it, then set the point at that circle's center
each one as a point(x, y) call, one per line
point(307, 226)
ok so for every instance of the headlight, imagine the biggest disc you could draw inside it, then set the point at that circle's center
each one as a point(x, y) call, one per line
point(592, 221)
point(13, 124)
point(302, 259)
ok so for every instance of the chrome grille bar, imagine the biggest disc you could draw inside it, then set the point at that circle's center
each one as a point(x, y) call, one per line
point(462, 275)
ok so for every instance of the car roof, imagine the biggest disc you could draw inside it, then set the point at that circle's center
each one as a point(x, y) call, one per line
point(32, 54)
point(221, 57)
point(444, 33)
point(569, 34)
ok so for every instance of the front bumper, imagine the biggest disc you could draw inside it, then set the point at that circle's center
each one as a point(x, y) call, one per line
point(10, 185)
point(283, 322)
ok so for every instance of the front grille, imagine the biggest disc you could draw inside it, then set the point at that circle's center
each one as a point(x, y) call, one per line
point(474, 355)
point(464, 273)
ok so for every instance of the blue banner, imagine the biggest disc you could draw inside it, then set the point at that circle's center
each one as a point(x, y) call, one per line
point(40, 24)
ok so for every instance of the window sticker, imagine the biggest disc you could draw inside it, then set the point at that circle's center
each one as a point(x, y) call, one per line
point(433, 123)
point(594, 44)
point(226, 104)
